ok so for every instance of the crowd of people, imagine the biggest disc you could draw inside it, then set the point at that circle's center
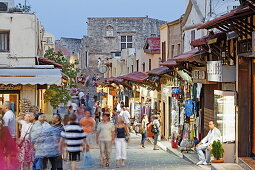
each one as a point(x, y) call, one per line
point(45, 140)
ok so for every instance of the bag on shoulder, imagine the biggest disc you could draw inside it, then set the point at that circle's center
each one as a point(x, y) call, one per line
point(155, 129)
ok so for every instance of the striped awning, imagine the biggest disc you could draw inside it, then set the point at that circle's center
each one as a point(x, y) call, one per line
point(30, 76)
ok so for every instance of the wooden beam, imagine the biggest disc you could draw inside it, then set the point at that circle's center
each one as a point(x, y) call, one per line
point(241, 28)
point(221, 29)
point(245, 25)
point(234, 28)
point(250, 4)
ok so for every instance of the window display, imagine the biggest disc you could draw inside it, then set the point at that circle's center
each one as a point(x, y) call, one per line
point(224, 112)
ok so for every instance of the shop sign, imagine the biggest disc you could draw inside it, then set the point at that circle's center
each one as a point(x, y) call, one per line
point(220, 73)
point(199, 74)
point(10, 87)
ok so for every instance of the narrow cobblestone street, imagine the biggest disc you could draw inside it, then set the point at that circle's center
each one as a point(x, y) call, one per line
point(143, 159)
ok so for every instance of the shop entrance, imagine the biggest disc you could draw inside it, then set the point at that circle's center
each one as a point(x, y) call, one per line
point(246, 99)
point(253, 108)
point(13, 97)
point(169, 116)
point(164, 119)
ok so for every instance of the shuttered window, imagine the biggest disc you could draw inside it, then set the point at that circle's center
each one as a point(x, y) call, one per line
point(4, 41)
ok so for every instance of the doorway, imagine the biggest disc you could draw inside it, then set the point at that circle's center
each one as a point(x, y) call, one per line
point(164, 119)
point(13, 97)
point(169, 117)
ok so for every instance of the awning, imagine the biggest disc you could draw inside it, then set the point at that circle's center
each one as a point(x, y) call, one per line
point(169, 63)
point(30, 76)
point(216, 21)
point(158, 71)
point(136, 76)
point(199, 42)
point(187, 55)
point(43, 60)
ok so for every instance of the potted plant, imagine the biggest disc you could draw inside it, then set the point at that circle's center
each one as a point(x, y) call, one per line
point(217, 152)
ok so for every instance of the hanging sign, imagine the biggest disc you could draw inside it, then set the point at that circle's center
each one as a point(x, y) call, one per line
point(199, 74)
point(10, 87)
point(220, 73)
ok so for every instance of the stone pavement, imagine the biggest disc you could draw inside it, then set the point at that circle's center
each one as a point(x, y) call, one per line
point(143, 159)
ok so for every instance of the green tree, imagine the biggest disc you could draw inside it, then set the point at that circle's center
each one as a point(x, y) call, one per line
point(56, 95)
point(24, 8)
point(68, 69)
point(59, 94)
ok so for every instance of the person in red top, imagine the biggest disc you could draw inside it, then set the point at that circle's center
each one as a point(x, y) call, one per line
point(88, 124)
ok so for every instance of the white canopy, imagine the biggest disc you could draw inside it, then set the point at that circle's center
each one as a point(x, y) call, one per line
point(30, 76)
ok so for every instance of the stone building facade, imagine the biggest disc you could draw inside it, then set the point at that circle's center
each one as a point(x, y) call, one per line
point(107, 37)
point(69, 47)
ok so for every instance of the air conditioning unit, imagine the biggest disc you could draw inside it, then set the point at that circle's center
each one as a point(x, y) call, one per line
point(3, 6)
point(6, 5)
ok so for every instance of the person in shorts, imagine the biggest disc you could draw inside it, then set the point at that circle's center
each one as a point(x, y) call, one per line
point(75, 140)
point(105, 138)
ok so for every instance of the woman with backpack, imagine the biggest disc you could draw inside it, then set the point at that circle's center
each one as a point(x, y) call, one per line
point(155, 130)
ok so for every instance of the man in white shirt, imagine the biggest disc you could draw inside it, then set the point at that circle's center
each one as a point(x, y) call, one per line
point(206, 143)
point(81, 95)
point(9, 119)
point(125, 115)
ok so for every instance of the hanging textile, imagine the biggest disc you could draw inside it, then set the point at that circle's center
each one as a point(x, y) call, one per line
point(190, 107)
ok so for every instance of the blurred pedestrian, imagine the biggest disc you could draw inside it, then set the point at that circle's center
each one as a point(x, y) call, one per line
point(97, 111)
point(88, 124)
point(105, 139)
point(74, 137)
point(121, 139)
point(155, 130)
point(70, 110)
point(55, 160)
point(125, 115)
point(9, 118)
point(80, 112)
point(24, 143)
point(8, 150)
point(87, 98)
point(143, 129)
point(44, 140)
point(95, 98)
point(42, 120)
point(81, 95)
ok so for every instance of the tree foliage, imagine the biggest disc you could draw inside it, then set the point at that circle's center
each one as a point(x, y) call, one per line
point(24, 8)
point(68, 69)
point(59, 94)
point(56, 95)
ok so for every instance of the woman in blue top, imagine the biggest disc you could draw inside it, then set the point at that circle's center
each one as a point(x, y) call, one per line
point(121, 139)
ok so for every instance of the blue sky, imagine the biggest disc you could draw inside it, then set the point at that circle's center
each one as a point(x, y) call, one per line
point(67, 18)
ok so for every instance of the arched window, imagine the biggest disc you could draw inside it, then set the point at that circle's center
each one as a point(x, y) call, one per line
point(3, 6)
point(109, 31)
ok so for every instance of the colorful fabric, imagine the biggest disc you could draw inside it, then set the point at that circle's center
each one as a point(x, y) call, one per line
point(26, 152)
point(190, 107)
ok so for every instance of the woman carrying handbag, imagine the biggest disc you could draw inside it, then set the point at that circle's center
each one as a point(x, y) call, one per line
point(121, 140)
point(25, 145)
